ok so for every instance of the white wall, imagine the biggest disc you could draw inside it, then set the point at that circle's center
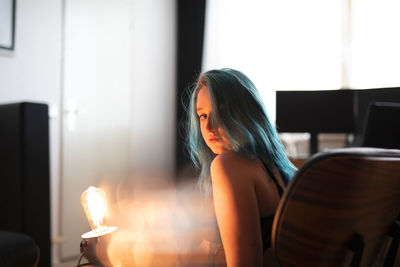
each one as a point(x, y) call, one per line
point(34, 72)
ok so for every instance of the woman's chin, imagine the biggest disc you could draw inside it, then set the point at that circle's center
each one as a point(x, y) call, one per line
point(218, 150)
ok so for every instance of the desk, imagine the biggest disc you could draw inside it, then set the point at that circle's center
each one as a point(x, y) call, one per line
point(328, 111)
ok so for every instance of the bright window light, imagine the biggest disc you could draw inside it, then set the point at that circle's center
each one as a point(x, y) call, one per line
point(280, 45)
point(305, 45)
point(375, 44)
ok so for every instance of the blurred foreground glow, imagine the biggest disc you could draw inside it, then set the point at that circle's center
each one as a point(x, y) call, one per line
point(94, 203)
point(159, 226)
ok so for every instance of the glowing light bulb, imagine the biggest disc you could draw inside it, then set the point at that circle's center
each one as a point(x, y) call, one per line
point(94, 203)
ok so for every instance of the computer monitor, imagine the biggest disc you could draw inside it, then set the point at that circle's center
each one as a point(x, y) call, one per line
point(382, 125)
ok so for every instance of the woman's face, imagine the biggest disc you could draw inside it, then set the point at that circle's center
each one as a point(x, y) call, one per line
point(214, 137)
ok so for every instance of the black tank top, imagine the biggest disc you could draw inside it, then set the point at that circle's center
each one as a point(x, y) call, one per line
point(266, 222)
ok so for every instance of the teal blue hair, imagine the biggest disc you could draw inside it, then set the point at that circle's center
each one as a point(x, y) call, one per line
point(238, 110)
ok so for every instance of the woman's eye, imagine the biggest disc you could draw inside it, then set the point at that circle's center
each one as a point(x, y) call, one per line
point(202, 116)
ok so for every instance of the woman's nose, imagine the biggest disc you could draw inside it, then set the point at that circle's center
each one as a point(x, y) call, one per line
point(210, 125)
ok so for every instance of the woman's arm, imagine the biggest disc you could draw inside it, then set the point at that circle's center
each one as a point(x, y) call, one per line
point(237, 210)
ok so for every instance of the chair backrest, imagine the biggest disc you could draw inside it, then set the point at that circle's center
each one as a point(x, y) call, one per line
point(382, 125)
point(341, 203)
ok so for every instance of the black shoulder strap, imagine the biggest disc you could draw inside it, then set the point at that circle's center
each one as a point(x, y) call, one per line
point(278, 186)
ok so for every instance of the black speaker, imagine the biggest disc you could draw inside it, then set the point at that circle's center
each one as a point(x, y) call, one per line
point(25, 173)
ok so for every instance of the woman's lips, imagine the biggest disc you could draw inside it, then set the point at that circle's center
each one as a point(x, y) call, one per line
point(213, 139)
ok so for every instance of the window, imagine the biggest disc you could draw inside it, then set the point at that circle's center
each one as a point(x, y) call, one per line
point(305, 45)
point(375, 47)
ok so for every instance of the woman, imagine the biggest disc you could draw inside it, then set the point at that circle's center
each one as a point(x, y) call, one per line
point(242, 161)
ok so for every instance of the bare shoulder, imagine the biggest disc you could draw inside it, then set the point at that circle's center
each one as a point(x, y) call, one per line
point(230, 165)
point(237, 209)
point(229, 161)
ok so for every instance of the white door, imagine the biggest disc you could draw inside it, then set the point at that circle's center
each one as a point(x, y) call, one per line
point(97, 105)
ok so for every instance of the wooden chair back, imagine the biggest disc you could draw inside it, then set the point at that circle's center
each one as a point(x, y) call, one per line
point(339, 209)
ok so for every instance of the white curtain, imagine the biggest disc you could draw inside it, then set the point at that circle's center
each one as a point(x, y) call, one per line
point(280, 45)
point(305, 45)
point(375, 44)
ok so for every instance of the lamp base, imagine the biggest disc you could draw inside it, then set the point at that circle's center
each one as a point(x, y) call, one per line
point(94, 248)
point(99, 232)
